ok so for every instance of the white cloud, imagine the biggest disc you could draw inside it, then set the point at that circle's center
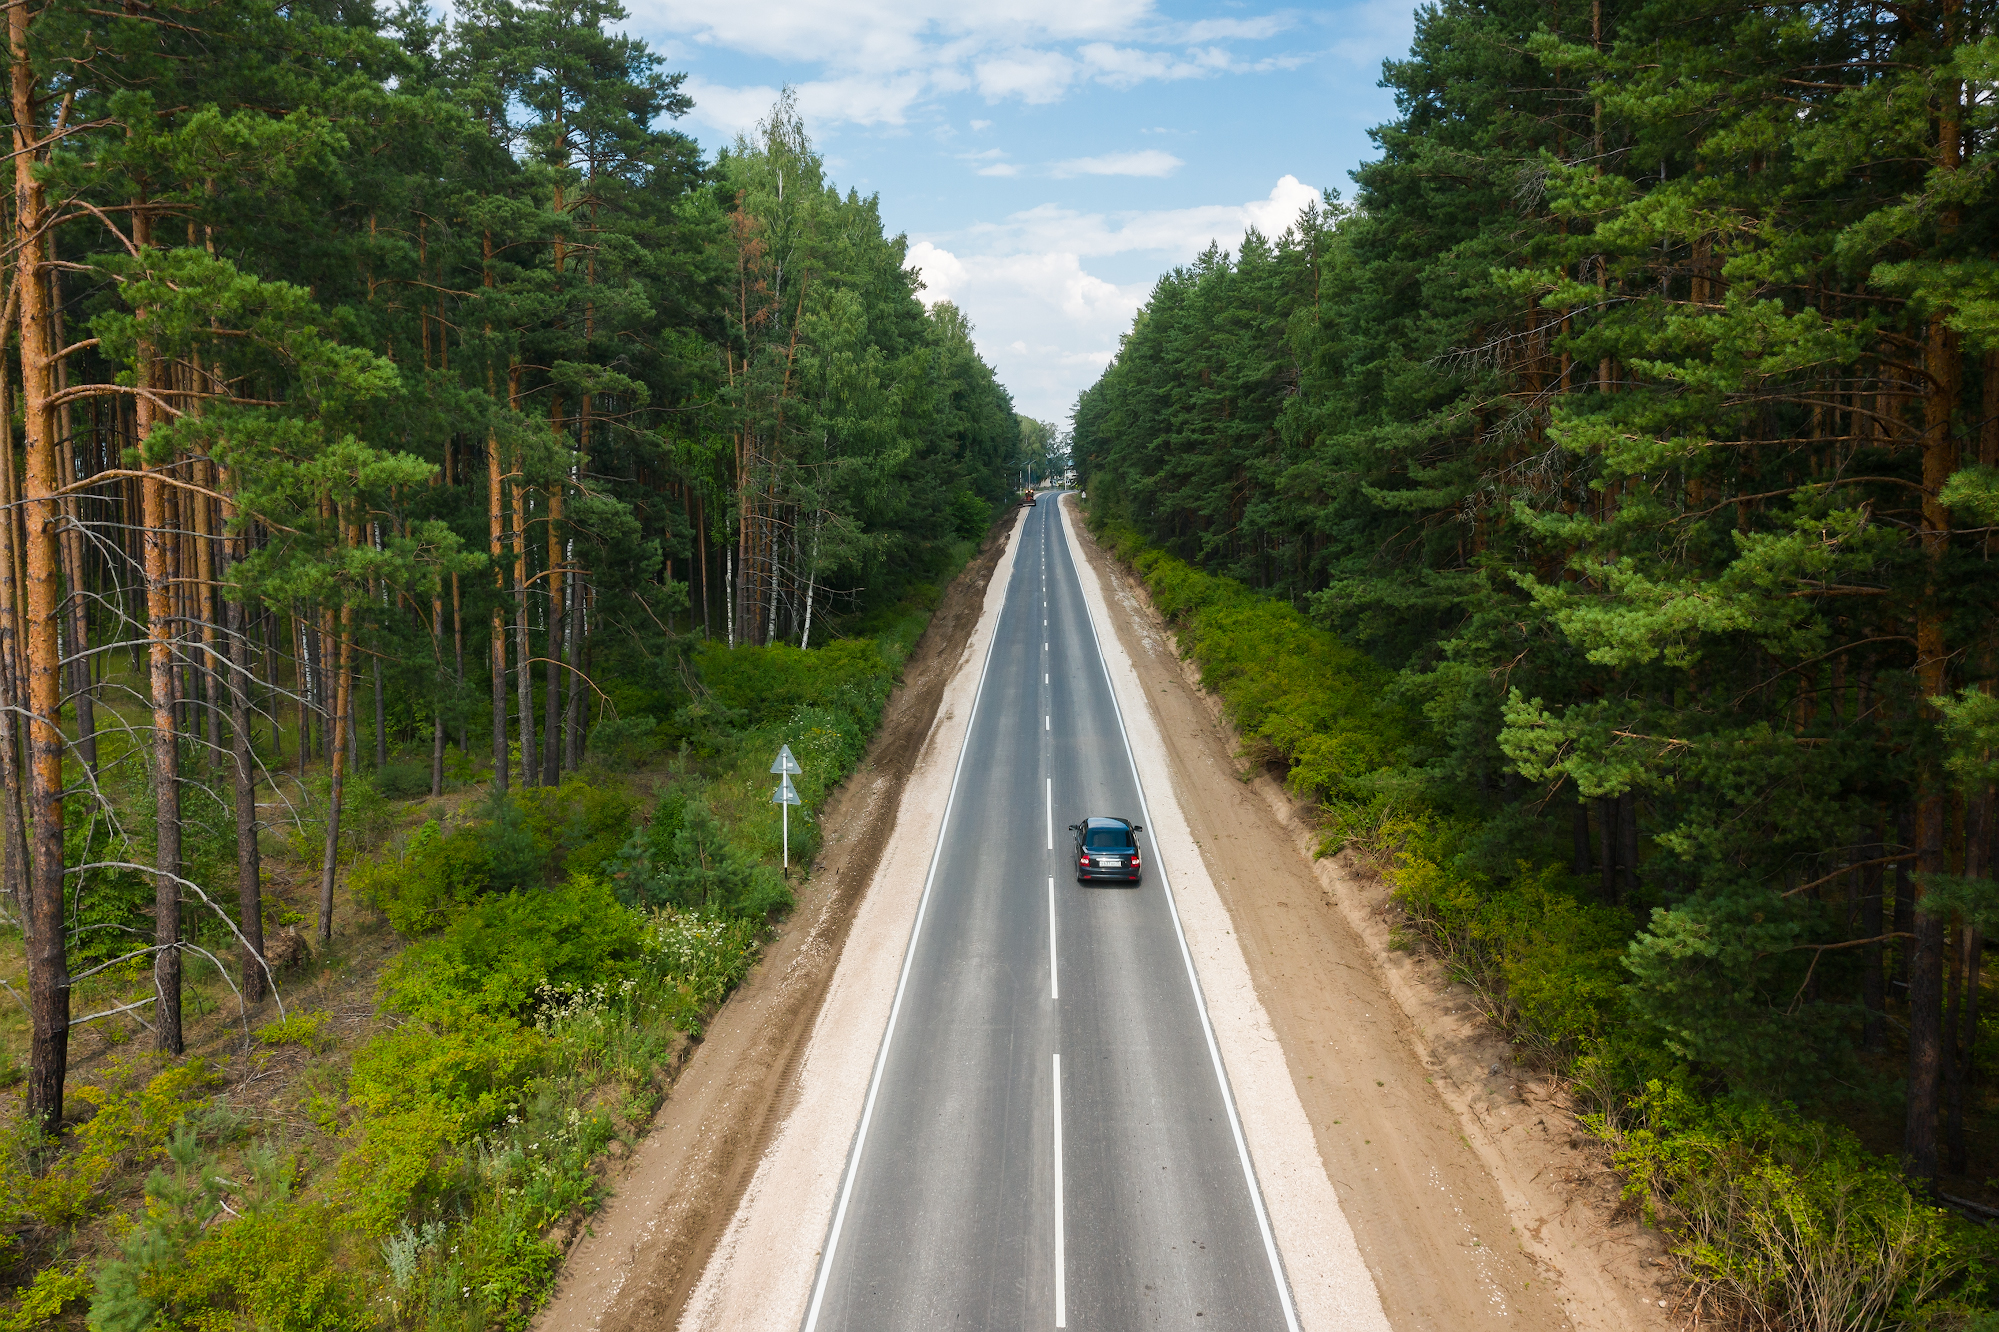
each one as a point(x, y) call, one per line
point(978, 125)
point(1000, 169)
point(880, 35)
point(1150, 162)
point(1041, 317)
point(1033, 76)
point(1127, 67)
point(859, 101)
point(1252, 29)
point(882, 57)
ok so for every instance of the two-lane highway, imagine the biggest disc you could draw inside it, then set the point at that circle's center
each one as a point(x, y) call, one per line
point(1047, 1140)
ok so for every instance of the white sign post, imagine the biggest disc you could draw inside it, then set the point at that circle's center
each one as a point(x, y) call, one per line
point(786, 795)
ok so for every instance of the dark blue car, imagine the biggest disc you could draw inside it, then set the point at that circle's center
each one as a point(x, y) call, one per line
point(1107, 849)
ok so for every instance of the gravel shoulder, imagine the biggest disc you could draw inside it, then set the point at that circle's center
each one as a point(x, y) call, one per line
point(1472, 1196)
point(638, 1262)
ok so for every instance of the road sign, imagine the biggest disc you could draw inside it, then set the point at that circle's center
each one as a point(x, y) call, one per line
point(784, 798)
point(786, 764)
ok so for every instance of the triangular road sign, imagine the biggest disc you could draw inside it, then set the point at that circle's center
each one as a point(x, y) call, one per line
point(785, 762)
point(786, 793)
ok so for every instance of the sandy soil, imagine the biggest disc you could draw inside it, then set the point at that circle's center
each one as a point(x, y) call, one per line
point(1472, 1193)
point(637, 1264)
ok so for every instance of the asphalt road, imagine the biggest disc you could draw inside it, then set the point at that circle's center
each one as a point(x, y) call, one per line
point(1046, 1143)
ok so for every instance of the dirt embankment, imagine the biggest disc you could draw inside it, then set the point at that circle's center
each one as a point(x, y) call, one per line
point(1472, 1192)
point(636, 1264)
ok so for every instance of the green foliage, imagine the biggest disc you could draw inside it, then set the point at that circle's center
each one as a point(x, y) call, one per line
point(1290, 686)
point(686, 857)
point(52, 1290)
point(137, 1110)
point(623, 743)
point(1786, 1221)
point(768, 684)
point(578, 826)
point(431, 878)
point(212, 1248)
point(970, 515)
point(492, 959)
point(403, 780)
point(296, 1028)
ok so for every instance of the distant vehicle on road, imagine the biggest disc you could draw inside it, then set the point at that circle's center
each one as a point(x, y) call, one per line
point(1107, 849)
point(1027, 497)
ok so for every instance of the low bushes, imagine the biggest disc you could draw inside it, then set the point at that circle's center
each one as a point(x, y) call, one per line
point(474, 1115)
point(1291, 688)
point(1780, 1221)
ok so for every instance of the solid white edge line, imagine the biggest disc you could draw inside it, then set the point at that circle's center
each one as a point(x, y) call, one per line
point(1051, 812)
point(1061, 1284)
point(1193, 978)
point(901, 985)
point(1054, 984)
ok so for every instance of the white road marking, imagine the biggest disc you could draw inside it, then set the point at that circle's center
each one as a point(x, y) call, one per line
point(1044, 721)
point(1061, 1286)
point(1044, 677)
point(1051, 813)
point(1054, 989)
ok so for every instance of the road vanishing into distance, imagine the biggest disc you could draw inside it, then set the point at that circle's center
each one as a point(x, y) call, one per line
point(1048, 1140)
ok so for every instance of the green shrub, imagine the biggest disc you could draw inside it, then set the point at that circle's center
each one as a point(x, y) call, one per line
point(686, 858)
point(767, 684)
point(1789, 1222)
point(577, 827)
point(489, 963)
point(42, 1300)
point(402, 780)
point(430, 879)
point(970, 516)
point(365, 820)
point(298, 1028)
point(623, 743)
point(198, 1261)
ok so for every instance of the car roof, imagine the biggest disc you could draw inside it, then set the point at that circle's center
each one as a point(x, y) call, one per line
point(1106, 823)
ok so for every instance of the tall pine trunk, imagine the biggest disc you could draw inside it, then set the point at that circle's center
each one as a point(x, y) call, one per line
point(48, 966)
point(523, 654)
point(165, 737)
point(243, 765)
point(343, 698)
point(13, 821)
point(551, 738)
point(496, 550)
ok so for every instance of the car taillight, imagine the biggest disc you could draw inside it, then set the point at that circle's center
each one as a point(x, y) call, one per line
point(1084, 862)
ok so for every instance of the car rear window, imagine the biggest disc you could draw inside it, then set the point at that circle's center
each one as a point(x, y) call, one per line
point(1102, 837)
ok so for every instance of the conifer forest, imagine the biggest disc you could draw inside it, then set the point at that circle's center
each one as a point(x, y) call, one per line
point(1633, 428)
point(396, 404)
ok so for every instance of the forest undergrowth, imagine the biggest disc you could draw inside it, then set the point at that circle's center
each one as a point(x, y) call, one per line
point(1779, 1216)
point(548, 955)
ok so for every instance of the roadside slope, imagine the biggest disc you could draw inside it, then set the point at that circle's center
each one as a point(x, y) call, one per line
point(638, 1260)
point(1456, 1191)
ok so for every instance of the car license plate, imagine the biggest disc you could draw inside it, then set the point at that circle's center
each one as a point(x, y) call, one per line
point(1109, 862)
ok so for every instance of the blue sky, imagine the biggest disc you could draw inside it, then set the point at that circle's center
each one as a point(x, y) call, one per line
point(1048, 159)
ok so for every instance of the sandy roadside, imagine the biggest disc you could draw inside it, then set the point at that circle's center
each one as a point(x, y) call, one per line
point(638, 1261)
point(761, 1273)
point(1469, 1192)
